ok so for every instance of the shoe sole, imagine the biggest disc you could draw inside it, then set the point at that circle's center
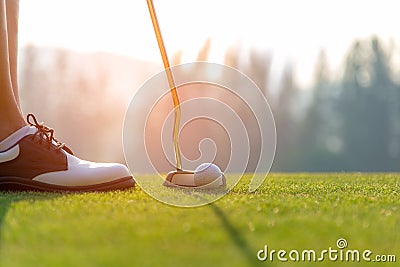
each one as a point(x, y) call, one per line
point(23, 184)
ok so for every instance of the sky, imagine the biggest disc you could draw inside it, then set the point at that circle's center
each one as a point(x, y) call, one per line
point(292, 30)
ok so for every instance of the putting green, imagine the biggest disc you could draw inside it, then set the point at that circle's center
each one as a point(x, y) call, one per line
point(289, 212)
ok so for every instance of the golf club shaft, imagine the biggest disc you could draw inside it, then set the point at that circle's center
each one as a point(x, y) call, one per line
point(174, 93)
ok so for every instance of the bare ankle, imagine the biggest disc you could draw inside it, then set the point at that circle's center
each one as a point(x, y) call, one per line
point(9, 126)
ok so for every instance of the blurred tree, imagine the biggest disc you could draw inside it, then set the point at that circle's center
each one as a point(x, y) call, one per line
point(318, 138)
point(364, 108)
point(322, 70)
point(32, 81)
point(60, 85)
point(388, 95)
point(286, 126)
point(204, 52)
point(27, 76)
point(202, 55)
point(176, 58)
point(231, 57)
point(259, 69)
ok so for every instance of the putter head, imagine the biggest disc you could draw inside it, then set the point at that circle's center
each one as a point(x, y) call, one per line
point(186, 179)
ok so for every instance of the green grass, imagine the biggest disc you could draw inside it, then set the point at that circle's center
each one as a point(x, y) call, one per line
point(289, 211)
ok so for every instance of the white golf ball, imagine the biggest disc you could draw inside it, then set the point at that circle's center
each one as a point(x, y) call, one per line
point(206, 173)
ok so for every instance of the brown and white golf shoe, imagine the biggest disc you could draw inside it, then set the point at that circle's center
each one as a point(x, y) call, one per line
point(32, 159)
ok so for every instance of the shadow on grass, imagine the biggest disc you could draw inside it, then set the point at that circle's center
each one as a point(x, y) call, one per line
point(8, 198)
point(236, 237)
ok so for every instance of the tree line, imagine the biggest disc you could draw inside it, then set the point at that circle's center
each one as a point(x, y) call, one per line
point(351, 123)
point(346, 122)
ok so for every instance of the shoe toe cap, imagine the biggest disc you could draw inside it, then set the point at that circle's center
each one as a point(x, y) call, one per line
point(84, 173)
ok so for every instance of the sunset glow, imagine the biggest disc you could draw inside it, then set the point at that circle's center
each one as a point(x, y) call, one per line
point(290, 30)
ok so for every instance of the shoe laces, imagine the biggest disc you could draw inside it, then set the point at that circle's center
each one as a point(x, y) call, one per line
point(46, 133)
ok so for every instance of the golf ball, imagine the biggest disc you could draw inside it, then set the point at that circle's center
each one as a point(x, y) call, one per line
point(206, 173)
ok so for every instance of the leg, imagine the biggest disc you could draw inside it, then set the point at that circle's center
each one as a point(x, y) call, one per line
point(34, 159)
point(12, 10)
point(10, 116)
